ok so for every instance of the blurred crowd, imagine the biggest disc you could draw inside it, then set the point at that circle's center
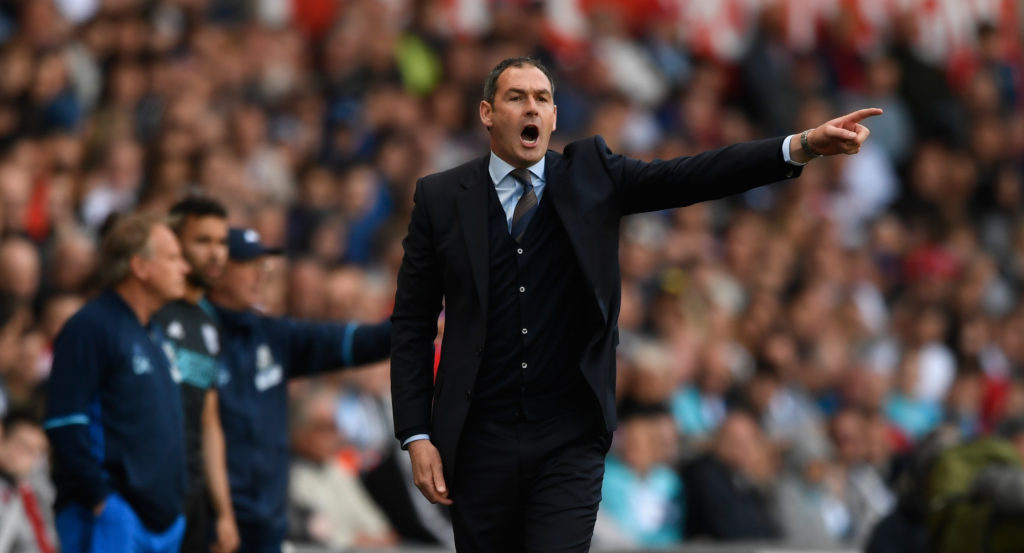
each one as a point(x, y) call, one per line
point(785, 355)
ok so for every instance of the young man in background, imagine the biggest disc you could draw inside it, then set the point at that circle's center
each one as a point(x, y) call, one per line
point(192, 341)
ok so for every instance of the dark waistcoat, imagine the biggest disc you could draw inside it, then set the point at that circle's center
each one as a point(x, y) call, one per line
point(530, 367)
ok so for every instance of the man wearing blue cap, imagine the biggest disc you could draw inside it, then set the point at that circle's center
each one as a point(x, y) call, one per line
point(259, 354)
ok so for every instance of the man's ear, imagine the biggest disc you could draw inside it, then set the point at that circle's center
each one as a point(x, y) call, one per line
point(554, 123)
point(486, 113)
point(138, 268)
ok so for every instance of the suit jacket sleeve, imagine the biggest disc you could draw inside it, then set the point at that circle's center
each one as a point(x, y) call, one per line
point(417, 305)
point(651, 186)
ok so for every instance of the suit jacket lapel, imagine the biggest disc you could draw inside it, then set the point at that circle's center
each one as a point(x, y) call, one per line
point(472, 208)
point(557, 189)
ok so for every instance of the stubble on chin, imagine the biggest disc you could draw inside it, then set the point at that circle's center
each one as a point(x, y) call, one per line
point(196, 279)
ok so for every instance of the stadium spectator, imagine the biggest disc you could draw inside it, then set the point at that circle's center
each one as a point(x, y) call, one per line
point(864, 492)
point(364, 418)
point(26, 516)
point(642, 496)
point(72, 262)
point(336, 510)
point(20, 272)
point(726, 497)
point(14, 319)
point(699, 409)
point(905, 528)
point(809, 497)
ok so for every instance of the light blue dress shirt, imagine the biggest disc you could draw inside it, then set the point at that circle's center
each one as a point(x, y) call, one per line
point(509, 189)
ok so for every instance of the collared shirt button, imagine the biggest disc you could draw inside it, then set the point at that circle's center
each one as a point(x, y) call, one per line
point(524, 364)
point(522, 288)
point(524, 331)
point(519, 251)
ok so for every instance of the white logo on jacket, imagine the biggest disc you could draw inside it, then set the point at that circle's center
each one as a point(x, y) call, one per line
point(140, 363)
point(210, 338)
point(268, 373)
point(172, 360)
point(176, 330)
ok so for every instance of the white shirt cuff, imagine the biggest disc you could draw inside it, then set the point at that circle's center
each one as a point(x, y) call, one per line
point(785, 152)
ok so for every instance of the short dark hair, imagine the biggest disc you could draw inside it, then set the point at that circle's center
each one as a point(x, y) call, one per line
point(491, 84)
point(18, 417)
point(195, 206)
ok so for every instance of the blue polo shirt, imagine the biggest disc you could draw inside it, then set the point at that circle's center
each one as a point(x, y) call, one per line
point(113, 414)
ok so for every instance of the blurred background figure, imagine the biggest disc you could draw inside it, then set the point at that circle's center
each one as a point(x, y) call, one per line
point(727, 487)
point(327, 502)
point(863, 488)
point(810, 497)
point(642, 501)
point(26, 516)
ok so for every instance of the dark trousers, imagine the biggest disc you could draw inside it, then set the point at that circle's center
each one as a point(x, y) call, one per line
point(197, 522)
point(528, 486)
point(261, 537)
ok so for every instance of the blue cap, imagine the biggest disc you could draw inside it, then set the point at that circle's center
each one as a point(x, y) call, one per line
point(244, 245)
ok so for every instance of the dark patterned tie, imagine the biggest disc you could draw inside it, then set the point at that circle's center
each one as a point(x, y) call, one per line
point(526, 206)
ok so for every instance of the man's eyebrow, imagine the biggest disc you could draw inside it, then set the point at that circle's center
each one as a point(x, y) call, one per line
point(543, 91)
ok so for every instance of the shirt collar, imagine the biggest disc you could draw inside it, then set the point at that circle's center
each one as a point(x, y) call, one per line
point(116, 299)
point(499, 169)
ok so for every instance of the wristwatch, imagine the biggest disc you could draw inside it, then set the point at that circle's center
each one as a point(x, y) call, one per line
point(805, 146)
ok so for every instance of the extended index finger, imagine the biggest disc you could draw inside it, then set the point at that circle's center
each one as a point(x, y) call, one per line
point(862, 114)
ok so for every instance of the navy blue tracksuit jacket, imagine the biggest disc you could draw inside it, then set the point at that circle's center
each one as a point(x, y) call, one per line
point(113, 415)
point(259, 354)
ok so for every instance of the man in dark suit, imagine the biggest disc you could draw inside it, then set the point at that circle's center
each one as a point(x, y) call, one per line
point(521, 247)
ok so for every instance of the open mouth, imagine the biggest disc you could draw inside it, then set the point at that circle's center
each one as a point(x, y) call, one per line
point(530, 135)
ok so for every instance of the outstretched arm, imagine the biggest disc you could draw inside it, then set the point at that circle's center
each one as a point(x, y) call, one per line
point(317, 347)
point(734, 169)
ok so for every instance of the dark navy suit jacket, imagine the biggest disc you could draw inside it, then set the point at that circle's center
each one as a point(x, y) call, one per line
point(446, 258)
